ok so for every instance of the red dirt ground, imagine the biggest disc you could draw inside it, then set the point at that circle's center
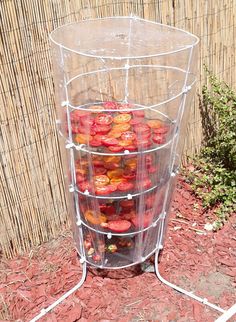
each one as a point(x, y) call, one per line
point(194, 258)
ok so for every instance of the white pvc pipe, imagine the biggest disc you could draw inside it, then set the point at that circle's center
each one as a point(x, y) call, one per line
point(63, 297)
point(181, 290)
point(227, 315)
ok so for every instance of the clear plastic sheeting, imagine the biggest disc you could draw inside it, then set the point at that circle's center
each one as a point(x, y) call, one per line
point(123, 91)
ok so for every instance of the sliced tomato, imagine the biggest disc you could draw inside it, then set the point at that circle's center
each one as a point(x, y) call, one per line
point(77, 114)
point(117, 173)
point(87, 130)
point(99, 171)
point(87, 120)
point(129, 173)
point(119, 226)
point(82, 138)
point(101, 129)
point(114, 134)
point(127, 203)
point(127, 215)
point(98, 163)
point(117, 181)
point(85, 185)
point(161, 130)
point(158, 139)
point(125, 186)
point(95, 218)
point(109, 141)
point(146, 183)
point(131, 148)
point(103, 119)
point(138, 113)
point(136, 120)
point(109, 210)
point(128, 136)
point(154, 124)
point(95, 143)
point(125, 143)
point(121, 127)
point(141, 128)
point(101, 180)
point(111, 165)
point(122, 118)
point(110, 105)
point(106, 189)
point(112, 158)
point(116, 148)
point(143, 221)
point(79, 178)
point(144, 143)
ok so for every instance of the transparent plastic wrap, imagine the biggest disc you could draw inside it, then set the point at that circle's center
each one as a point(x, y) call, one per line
point(123, 90)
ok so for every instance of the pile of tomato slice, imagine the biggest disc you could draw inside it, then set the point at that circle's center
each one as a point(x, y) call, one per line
point(115, 174)
point(121, 218)
point(117, 131)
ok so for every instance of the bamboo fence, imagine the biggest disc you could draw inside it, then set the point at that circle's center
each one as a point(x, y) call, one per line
point(33, 207)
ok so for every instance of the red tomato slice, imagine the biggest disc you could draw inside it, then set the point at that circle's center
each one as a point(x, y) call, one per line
point(111, 105)
point(99, 171)
point(145, 221)
point(129, 173)
point(145, 183)
point(119, 226)
point(77, 114)
point(125, 186)
point(128, 135)
point(98, 163)
point(158, 139)
point(103, 119)
point(127, 203)
point(86, 121)
point(109, 210)
point(87, 130)
point(116, 149)
point(95, 143)
point(122, 118)
point(101, 129)
point(106, 189)
point(161, 130)
point(109, 141)
point(131, 148)
point(141, 128)
point(144, 143)
point(79, 178)
point(138, 113)
point(136, 120)
point(85, 185)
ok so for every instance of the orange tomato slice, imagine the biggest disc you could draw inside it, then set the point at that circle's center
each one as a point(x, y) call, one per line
point(82, 138)
point(121, 127)
point(117, 173)
point(122, 118)
point(114, 134)
point(101, 180)
point(95, 218)
point(154, 124)
point(112, 159)
point(117, 181)
point(125, 143)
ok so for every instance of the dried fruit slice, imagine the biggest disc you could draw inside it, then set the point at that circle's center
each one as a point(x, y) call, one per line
point(95, 218)
point(122, 118)
point(103, 119)
point(119, 226)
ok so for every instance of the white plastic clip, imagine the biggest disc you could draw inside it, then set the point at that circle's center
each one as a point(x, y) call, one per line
point(154, 224)
point(82, 260)
point(129, 196)
point(78, 222)
point(173, 174)
point(186, 89)
point(143, 259)
point(205, 301)
point(69, 145)
point(109, 235)
point(71, 189)
point(126, 152)
point(160, 246)
point(86, 192)
point(64, 103)
point(127, 66)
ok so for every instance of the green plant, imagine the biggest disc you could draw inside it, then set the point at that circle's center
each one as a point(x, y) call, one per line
point(214, 179)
